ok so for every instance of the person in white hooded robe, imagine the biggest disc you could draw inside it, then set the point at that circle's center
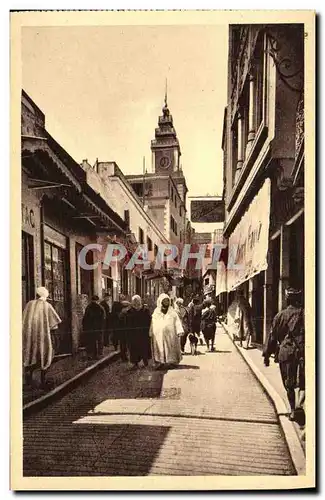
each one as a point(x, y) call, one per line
point(165, 332)
point(39, 318)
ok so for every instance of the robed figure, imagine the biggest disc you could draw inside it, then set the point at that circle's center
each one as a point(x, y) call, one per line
point(166, 330)
point(138, 324)
point(39, 318)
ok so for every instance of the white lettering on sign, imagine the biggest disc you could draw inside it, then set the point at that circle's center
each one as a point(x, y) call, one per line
point(251, 236)
point(27, 216)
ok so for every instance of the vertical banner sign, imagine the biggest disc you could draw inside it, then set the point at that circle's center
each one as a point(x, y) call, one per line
point(221, 280)
point(248, 244)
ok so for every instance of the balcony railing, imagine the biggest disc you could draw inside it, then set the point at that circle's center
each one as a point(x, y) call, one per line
point(300, 126)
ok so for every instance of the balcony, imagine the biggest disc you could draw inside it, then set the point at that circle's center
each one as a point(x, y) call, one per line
point(300, 127)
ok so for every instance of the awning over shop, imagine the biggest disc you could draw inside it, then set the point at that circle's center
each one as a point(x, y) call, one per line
point(248, 244)
point(221, 280)
point(52, 169)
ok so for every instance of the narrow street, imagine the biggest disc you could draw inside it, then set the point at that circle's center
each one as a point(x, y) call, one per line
point(207, 417)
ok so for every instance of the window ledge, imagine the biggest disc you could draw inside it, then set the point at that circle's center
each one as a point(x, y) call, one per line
point(252, 155)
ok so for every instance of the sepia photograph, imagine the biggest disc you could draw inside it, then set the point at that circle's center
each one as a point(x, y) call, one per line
point(164, 226)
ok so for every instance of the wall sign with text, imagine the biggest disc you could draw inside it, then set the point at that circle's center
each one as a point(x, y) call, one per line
point(207, 210)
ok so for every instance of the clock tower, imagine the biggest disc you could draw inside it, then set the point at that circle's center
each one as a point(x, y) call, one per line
point(165, 147)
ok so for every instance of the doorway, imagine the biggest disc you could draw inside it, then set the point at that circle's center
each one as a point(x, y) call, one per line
point(55, 278)
point(27, 271)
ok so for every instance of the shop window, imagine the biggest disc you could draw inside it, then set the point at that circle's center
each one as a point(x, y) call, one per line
point(259, 60)
point(234, 149)
point(141, 236)
point(241, 126)
point(138, 286)
point(173, 225)
point(85, 277)
point(55, 280)
point(107, 285)
point(275, 275)
point(244, 114)
point(125, 282)
point(127, 217)
point(297, 254)
point(27, 261)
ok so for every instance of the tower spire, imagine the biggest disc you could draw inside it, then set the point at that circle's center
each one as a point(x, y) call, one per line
point(166, 93)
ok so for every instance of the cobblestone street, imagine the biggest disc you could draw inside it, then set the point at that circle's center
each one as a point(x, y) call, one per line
point(208, 417)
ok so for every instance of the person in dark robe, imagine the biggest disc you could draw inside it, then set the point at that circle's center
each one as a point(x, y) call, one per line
point(115, 312)
point(287, 336)
point(106, 306)
point(138, 325)
point(195, 313)
point(184, 317)
point(93, 324)
point(116, 324)
point(208, 323)
point(122, 327)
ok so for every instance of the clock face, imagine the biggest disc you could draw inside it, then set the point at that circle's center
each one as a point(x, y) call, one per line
point(164, 162)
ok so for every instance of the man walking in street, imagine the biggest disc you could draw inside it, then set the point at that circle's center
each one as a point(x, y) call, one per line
point(288, 336)
point(39, 319)
point(195, 313)
point(106, 306)
point(208, 323)
point(93, 324)
point(184, 318)
point(119, 325)
point(244, 320)
point(138, 319)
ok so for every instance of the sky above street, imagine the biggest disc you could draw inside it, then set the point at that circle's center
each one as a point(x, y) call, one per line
point(102, 88)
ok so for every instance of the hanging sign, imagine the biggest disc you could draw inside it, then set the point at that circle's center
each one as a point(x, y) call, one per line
point(248, 244)
point(209, 209)
point(27, 216)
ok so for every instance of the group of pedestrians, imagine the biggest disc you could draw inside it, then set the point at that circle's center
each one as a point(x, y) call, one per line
point(141, 333)
point(125, 324)
point(199, 317)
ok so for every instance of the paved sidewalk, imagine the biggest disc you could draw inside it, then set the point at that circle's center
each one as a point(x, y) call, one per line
point(209, 416)
point(60, 371)
point(273, 376)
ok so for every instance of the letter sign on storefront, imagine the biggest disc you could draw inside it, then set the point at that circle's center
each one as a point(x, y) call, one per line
point(27, 216)
point(251, 239)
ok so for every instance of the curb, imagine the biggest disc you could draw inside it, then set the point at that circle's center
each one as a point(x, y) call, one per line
point(295, 448)
point(62, 389)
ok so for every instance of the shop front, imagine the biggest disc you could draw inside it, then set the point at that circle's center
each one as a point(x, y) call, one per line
point(56, 278)
point(61, 215)
point(248, 259)
point(30, 242)
point(58, 222)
